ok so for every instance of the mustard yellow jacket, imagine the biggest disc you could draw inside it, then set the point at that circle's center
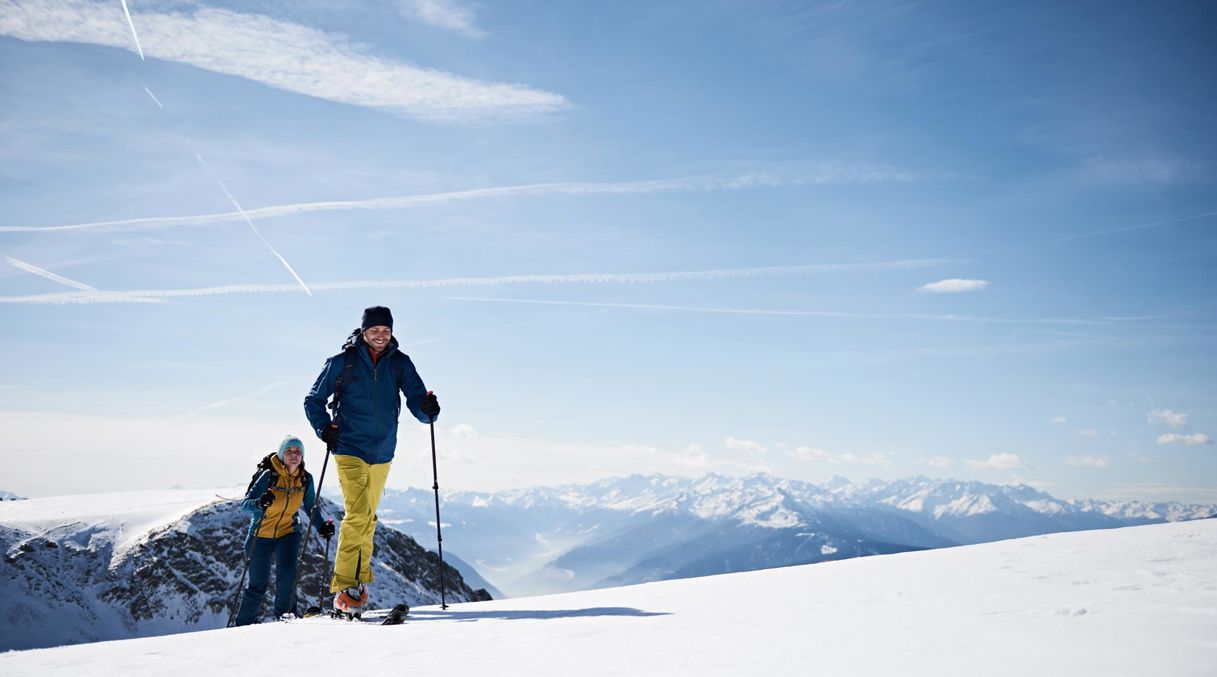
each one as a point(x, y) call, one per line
point(292, 492)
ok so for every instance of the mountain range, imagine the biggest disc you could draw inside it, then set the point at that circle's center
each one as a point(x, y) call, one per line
point(114, 566)
point(645, 528)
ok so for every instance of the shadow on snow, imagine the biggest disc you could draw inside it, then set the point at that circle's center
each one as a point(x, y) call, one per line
point(528, 614)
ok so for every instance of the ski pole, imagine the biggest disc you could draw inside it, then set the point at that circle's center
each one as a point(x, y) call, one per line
point(439, 536)
point(236, 596)
point(312, 514)
point(321, 587)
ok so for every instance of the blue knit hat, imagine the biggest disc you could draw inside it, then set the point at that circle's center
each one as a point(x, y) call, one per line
point(290, 441)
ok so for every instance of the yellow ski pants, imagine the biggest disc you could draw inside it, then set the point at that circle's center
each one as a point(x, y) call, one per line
point(362, 487)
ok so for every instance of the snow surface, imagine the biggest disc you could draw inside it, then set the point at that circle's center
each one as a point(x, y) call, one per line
point(1131, 601)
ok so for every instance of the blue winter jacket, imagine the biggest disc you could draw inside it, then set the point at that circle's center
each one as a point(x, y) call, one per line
point(370, 404)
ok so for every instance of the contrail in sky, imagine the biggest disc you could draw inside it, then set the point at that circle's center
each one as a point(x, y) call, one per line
point(585, 278)
point(687, 184)
point(1096, 233)
point(41, 272)
point(131, 23)
point(247, 396)
point(207, 169)
point(154, 99)
point(203, 164)
point(793, 313)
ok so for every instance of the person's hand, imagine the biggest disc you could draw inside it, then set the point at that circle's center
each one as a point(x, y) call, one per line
point(330, 437)
point(326, 530)
point(430, 406)
point(266, 499)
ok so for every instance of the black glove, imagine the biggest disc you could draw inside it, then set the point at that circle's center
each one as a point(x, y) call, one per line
point(330, 437)
point(266, 499)
point(326, 530)
point(430, 406)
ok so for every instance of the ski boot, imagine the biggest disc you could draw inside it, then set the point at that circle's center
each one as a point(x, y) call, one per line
point(349, 603)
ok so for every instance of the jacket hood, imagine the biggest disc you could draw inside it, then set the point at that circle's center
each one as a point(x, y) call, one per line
point(281, 468)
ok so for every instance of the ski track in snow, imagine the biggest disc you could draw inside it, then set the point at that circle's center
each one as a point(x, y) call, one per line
point(1131, 601)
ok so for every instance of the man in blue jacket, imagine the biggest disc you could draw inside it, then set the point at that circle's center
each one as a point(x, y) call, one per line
point(366, 380)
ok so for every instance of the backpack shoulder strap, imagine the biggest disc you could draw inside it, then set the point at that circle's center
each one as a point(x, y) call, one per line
point(347, 375)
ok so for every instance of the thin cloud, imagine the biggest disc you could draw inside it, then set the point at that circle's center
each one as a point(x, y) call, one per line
point(809, 454)
point(448, 15)
point(1192, 440)
point(1059, 420)
point(1089, 461)
point(868, 459)
point(1173, 419)
point(746, 446)
point(590, 278)
point(43, 273)
point(999, 462)
point(953, 286)
point(830, 174)
point(940, 462)
point(1139, 171)
point(280, 54)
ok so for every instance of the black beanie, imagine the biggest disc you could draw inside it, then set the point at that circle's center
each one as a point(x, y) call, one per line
point(377, 316)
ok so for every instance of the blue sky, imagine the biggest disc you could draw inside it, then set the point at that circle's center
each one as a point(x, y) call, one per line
point(864, 239)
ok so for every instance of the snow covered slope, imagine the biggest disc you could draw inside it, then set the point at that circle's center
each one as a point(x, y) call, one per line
point(135, 564)
point(1130, 601)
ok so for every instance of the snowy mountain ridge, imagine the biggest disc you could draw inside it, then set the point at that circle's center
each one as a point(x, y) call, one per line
point(640, 528)
point(762, 499)
point(135, 564)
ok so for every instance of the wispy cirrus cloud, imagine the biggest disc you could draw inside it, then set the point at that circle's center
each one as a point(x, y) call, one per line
point(826, 174)
point(1173, 419)
point(589, 278)
point(1089, 461)
point(284, 55)
point(953, 286)
point(448, 15)
point(999, 462)
point(1153, 170)
point(1195, 439)
point(809, 454)
point(874, 458)
point(747, 446)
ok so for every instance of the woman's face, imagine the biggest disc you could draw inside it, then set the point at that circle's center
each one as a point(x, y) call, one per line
point(292, 456)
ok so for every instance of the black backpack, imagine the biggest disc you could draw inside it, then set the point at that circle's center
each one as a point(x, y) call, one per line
point(263, 466)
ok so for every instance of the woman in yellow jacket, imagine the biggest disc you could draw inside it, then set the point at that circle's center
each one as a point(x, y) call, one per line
point(273, 500)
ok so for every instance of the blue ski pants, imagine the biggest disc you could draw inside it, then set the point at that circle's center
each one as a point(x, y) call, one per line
point(284, 551)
